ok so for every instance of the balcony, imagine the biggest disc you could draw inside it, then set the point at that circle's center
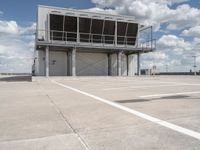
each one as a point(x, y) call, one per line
point(90, 40)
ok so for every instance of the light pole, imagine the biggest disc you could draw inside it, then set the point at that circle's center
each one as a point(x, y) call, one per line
point(167, 68)
point(194, 57)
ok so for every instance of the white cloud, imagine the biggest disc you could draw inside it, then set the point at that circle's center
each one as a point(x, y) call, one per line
point(8, 27)
point(16, 47)
point(28, 30)
point(173, 51)
point(184, 16)
point(194, 31)
point(196, 42)
point(157, 58)
point(155, 12)
point(110, 3)
point(172, 41)
point(101, 10)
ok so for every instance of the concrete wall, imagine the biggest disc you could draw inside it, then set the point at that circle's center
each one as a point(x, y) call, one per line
point(57, 63)
point(132, 60)
point(40, 63)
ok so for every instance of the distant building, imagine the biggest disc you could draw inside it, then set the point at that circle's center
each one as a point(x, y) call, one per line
point(80, 43)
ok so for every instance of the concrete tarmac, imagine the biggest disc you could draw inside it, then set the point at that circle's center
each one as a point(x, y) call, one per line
point(67, 113)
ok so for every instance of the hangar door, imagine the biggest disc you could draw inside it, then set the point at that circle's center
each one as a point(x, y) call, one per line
point(57, 63)
point(91, 64)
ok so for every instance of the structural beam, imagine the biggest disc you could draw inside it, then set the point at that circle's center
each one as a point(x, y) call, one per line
point(47, 61)
point(73, 61)
point(119, 63)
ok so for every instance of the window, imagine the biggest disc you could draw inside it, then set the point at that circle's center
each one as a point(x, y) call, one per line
point(84, 29)
point(109, 32)
point(56, 27)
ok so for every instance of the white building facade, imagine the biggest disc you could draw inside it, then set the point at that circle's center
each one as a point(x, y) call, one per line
point(79, 43)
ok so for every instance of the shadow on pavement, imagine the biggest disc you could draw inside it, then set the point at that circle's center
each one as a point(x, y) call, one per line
point(16, 79)
point(153, 99)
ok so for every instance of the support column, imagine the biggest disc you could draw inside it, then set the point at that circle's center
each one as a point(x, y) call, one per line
point(138, 64)
point(68, 63)
point(127, 64)
point(109, 64)
point(119, 63)
point(73, 62)
point(47, 61)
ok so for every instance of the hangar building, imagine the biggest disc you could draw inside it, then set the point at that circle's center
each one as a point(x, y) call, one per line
point(73, 42)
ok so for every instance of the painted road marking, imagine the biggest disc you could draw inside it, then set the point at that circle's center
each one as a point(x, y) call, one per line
point(163, 123)
point(138, 87)
point(169, 94)
point(150, 86)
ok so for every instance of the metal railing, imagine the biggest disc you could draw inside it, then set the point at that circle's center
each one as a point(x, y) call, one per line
point(91, 38)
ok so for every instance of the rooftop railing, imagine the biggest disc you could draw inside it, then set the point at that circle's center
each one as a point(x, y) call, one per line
point(54, 36)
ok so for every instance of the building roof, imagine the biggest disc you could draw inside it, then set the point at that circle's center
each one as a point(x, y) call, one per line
point(88, 14)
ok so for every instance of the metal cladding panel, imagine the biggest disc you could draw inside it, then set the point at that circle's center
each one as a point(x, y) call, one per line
point(132, 60)
point(42, 23)
point(40, 63)
point(114, 64)
point(57, 63)
point(91, 64)
point(86, 14)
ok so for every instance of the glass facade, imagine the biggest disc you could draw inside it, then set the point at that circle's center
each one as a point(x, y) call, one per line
point(92, 30)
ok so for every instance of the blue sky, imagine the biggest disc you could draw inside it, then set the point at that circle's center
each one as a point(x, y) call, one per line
point(176, 27)
point(24, 11)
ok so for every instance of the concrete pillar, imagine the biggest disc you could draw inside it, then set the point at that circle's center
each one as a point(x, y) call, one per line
point(109, 65)
point(47, 61)
point(127, 63)
point(119, 63)
point(138, 64)
point(68, 63)
point(73, 64)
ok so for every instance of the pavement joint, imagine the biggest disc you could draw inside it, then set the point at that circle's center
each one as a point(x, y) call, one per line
point(67, 123)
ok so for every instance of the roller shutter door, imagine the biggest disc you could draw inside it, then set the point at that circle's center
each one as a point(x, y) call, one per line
point(91, 64)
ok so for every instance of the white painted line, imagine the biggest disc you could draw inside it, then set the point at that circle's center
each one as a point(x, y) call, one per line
point(169, 94)
point(149, 86)
point(138, 87)
point(137, 113)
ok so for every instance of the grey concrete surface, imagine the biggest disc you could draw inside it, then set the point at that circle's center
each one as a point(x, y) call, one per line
point(42, 115)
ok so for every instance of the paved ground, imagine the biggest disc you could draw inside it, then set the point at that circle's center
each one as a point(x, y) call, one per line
point(101, 113)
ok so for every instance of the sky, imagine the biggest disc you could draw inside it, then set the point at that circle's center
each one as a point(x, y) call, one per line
point(176, 25)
